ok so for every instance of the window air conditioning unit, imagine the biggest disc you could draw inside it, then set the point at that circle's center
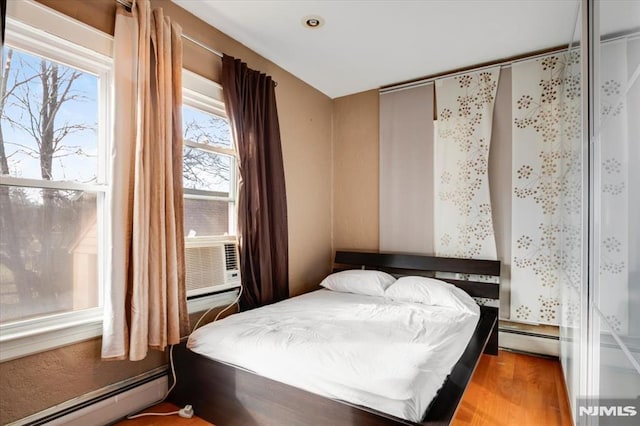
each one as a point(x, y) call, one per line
point(211, 265)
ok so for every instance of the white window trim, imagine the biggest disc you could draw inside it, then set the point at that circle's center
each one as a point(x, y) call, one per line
point(202, 93)
point(51, 22)
point(210, 148)
point(51, 184)
point(22, 339)
point(206, 95)
point(19, 342)
point(50, 34)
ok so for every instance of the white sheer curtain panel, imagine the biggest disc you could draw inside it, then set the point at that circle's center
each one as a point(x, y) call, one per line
point(546, 185)
point(145, 300)
point(462, 205)
point(616, 68)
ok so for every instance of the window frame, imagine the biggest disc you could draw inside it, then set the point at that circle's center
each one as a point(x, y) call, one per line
point(37, 30)
point(205, 95)
point(81, 41)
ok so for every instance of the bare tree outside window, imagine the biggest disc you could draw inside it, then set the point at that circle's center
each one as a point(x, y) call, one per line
point(49, 232)
point(203, 168)
point(48, 132)
point(206, 129)
point(207, 172)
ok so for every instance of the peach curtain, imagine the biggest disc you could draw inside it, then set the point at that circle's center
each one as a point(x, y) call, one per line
point(145, 301)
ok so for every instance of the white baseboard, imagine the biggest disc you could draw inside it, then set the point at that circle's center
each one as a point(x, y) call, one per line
point(110, 404)
point(118, 406)
point(528, 343)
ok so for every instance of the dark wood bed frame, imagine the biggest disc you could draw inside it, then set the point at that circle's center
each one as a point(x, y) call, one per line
point(229, 396)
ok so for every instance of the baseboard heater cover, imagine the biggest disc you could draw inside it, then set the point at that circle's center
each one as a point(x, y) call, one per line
point(105, 405)
point(528, 342)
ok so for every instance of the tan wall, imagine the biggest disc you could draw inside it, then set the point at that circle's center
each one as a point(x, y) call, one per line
point(500, 184)
point(40, 381)
point(356, 171)
point(34, 383)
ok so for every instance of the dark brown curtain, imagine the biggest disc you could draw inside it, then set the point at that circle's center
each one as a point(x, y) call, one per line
point(262, 204)
point(3, 12)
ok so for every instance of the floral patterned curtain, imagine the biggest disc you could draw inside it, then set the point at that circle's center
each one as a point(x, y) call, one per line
point(614, 184)
point(462, 206)
point(546, 186)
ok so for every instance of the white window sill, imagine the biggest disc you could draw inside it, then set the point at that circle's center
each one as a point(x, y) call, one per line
point(27, 338)
point(33, 336)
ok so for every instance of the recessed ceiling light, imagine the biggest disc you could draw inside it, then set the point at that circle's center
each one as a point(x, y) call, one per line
point(312, 21)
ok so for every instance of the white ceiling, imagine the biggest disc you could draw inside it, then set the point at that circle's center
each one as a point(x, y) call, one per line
point(366, 44)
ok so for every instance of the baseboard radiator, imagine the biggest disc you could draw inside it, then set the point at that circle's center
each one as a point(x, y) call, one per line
point(529, 342)
point(105, 405)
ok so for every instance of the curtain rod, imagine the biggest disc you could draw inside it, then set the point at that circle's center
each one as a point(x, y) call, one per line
point(128, 5)
point(499, 64)
point(632, 34)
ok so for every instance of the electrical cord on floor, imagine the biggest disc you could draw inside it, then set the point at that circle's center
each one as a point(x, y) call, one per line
point(187, 410)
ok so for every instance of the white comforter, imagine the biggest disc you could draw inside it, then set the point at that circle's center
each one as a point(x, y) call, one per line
point(389, 356)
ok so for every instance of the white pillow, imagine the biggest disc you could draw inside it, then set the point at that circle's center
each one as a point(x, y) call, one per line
point(430, 291)
point(359, 281)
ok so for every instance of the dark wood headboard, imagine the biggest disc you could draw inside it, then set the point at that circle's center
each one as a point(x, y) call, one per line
point(413, 264)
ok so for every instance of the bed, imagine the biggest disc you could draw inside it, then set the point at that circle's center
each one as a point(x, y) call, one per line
point(228, 395)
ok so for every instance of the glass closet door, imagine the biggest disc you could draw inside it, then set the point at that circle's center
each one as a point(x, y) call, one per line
point(615, 284)
point(573, 220)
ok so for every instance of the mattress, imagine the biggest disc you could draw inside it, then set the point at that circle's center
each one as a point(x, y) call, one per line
point(367, 350)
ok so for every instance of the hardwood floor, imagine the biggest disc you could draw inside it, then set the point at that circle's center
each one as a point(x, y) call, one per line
point(515, 389)
point(510, 389)
point(163, 407)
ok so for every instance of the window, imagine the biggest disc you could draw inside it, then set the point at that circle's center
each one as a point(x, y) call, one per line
point(54, 121)
point(209, 178)
point(54, 183)
point(208, 174)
